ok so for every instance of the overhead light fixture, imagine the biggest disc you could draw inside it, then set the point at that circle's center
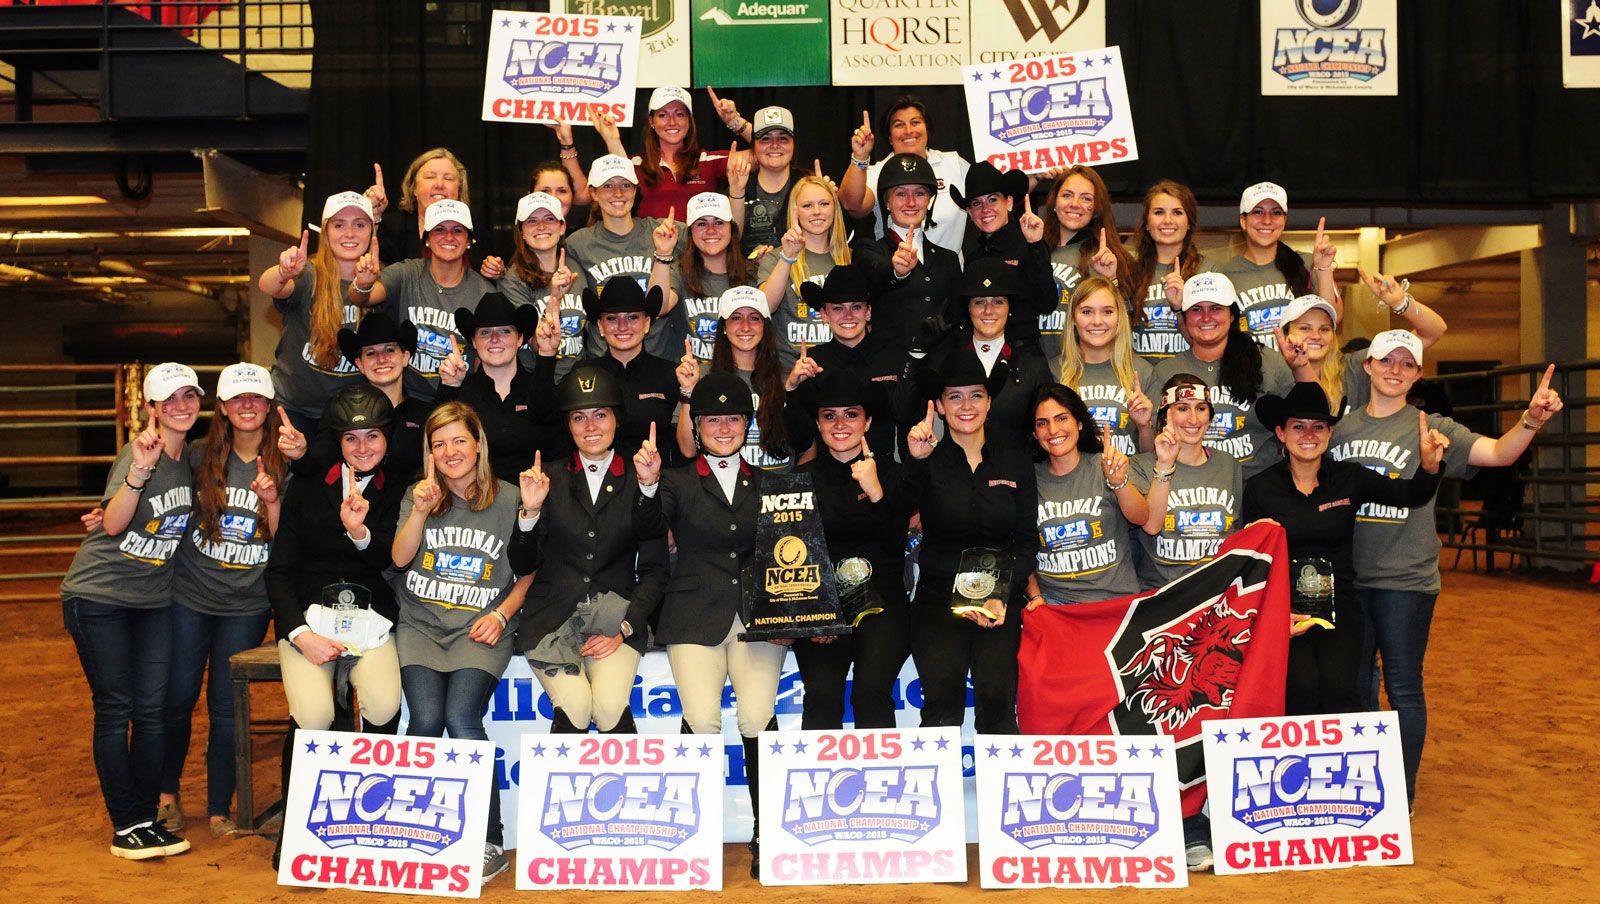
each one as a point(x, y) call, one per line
point(54, 236)
point(51, 200)
point(197, 232)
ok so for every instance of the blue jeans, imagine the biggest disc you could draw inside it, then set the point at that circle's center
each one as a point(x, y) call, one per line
point(196, 639)
point(126, 656)
point(1397, 629)
point(437, 702)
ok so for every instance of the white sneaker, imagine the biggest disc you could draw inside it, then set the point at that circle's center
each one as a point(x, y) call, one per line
point(1199, 857)
point(494, 861)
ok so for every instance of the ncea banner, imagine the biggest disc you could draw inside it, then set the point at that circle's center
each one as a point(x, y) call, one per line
point(663, 37)
point(760, 43)
point(1046, 112)
point(862, 807)
point(1079, 812)
point(620, 812)
point(1309, 792)
point(544, 67)
point(1329, 47)
point(378, 813)
point(1580, 43)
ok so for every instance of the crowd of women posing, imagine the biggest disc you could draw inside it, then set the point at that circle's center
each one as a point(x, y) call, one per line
point(456, 461)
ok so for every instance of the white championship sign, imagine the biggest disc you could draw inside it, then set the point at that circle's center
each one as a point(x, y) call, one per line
point(862, 807)
point(378, 813)
point(1308, 792)
point(1042, 113)
point(620, 812)
point(544, 68)
point(1079, 812)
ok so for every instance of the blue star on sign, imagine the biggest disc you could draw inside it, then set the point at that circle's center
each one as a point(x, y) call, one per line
point(334, 747)
point(628, 28)
point(681, 750)
point(475, 757)
point(1106, 59)
point(1221, 736)
point(1382, 728)
point(611, 27)
point(799, 746)
point(1244, 735)
point(506, 22)
point(538, 750)
point(918, 744)
point(942, 743)
point(450, 756)
point(977, 76)
point(522, 23)
point(1358, 729)
point(1157, 752)
point(1088, 62)
point(995, 74)
point(311, 747)
point(1133, 751)
point(993, 751)
point(705, 750)
point(563, 750)
point(777, 747)
point(1016, 751)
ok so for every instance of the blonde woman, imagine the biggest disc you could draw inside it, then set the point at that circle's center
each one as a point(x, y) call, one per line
point(1099, 364)
point(815, 243)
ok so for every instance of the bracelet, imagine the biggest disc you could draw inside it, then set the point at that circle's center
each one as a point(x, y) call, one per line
point(571, 156)
point(860, 164)
point(736, 197)
point(664, 260)
point(1530, 425)
point(1165, 475)
point(129, 485)
point(791, 261)
point(567, 147)
point(1323, 269)
point(685, 397)
point(357, 287)
point(142, 469)
point(524, 512)
point(1403, 306)
point(737, 125)
point(499, 615)
point(1037, 596)
point(1113, 487)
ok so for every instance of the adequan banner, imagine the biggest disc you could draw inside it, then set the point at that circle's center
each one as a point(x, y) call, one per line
point(760, 43)
point(1580, 43)
point(664, 43)
point(1320, 47)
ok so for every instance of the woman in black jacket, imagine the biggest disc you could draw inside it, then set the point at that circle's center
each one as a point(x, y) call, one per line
point(584, 619)
point(861, 500)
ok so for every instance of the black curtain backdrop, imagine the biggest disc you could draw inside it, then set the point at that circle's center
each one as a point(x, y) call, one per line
point(1481, 119)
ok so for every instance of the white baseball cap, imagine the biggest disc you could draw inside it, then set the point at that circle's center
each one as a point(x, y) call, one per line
point(538, 200)
point(446, 210)
point(742, 297)
point(1298, 308)
point(341, 200)
point(606, 168)
point(1212, 287)
point(161, 381)
point(708, 204)
point(1392, 340)
point(1263, 191)
point(662, 96)
point(238, 379)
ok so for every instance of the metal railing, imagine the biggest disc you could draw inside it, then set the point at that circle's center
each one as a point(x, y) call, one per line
point(1553, 479)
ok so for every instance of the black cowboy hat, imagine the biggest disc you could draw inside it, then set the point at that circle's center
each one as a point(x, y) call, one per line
point(984, 179)
point(987, 277)
point(495, 309)
point(377, 329)
point(1305, 401)
point(621, 295)
point(845, 283)
point(961, 367)
point(840, 388)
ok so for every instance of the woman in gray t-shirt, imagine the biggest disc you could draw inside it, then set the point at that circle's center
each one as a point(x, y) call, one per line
point(1085, 506)
point(816, 242)
point(539, 271)
point(466, 553)
point(116, 603)
point(1097, 362)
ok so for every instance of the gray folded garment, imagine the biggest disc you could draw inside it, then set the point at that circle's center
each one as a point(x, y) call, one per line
point(560, 650)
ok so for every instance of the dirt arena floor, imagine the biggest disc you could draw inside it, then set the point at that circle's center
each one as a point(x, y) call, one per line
point(1508, 806)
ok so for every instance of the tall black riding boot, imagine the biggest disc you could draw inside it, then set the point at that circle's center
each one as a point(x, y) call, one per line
point(561, 723)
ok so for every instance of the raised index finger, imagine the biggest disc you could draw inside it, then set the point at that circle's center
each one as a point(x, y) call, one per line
point(866, 121)
point(377, 174)
point(538, 461)
point(1322, 222)
point(652, 434)
point(305, 240)
point(1544, 385)
point(713, 92)
point(816, 167)
point(1102, 238)
point(929, 419)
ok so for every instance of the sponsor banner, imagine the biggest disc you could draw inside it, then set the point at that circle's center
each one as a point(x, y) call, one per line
point(1312, 792)
point(1079, 811)
point(899, 42)
point(1580, 43)
point(1047, 112)
point(1018, 29)
point(620, 812)
point(378, 813)
point(760, 43)
point(862, 807)
point(1329, 47)
point(544, 67)
point(663, 38)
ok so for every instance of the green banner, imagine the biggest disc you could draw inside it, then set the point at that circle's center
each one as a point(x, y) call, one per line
point(757, 43)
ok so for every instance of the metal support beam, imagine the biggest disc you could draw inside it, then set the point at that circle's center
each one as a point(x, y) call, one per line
point(1449, 245)
point(173, 137)
point(268, 205)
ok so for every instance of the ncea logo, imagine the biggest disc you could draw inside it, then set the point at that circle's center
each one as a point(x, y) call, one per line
point(563, 67)
point(1047, 112)
point(1071, 808)
point(617, 810)
point(1328, 50)
point(1272, 792)
point(849, 804)
point(414, 812)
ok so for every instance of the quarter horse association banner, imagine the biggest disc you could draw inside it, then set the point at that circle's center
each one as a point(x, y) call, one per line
point(1040, 113)
point(1078, 812)
point(544, 67)
point(1212, 644)
point(377, 813)
point(1309, 792)
point(620, 812)
point(862, 807)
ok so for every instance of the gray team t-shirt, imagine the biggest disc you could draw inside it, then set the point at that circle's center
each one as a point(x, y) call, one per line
point(1235, 428)
point(697, 313)
point(1262, 295)
point(1108, 401)
point(602, 254)
point(462, 568)
point(1202, 509)
point(413, 295)
point(299, 383)
point(573, 319)
point(226, 575)
point(754, 455)
point(795, 319)
point(1083, 538)
point(1396, 547)
point(1064, 270)
point(134, 568)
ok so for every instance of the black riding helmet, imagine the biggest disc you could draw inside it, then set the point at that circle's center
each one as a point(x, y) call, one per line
point(589, 387)
point(906, 169)
point(360, 406)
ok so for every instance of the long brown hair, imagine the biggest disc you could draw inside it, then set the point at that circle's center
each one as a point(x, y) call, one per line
point(650, 165)
point(328, 302)
point(484, 484)
point(767, 380)
point(211, 478)
point(1144, 265)
point(1104, 217)
point(692, 263)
